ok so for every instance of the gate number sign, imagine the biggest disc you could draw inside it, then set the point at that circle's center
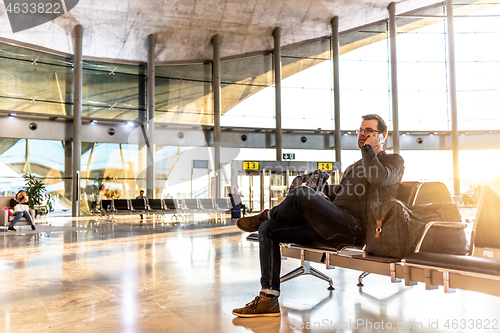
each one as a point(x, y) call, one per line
point(251, 165)
point(326, 166)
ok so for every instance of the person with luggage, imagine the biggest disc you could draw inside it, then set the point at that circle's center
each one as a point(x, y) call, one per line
point(20, 205)
point(306, 217)
point(141, 196)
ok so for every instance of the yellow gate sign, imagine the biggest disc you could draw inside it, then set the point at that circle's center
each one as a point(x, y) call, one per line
point(326, 166)
point(251, 165)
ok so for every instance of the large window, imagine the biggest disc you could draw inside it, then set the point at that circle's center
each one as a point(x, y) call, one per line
point(45, 159)
point(36, 82)
point(247, 92)
point(41, 83)
point(183, 94)
point(114, 91)
point(422, 71)
point(364, 76)
point(477, 29)
point(307, 87)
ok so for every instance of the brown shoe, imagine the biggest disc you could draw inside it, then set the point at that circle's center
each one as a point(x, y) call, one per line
point(261, 306)
point(252, 223)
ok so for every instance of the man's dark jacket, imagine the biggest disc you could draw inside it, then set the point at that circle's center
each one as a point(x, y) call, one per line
point(383, 174)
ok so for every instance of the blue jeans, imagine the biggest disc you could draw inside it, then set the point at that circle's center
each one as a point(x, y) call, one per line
point(19, 215)
point(292, 221)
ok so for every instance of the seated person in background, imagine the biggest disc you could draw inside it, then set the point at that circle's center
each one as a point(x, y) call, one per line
point(235, 198)
point(305, 217)
point(141, 196)
point(20, 199)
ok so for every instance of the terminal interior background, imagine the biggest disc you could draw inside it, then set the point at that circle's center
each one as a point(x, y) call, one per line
point(36, 87)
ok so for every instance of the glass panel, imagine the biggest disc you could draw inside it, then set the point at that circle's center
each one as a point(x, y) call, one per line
point(118, 167)
point(321, 50)
point(319, 76)
point(257, 110)
point(32, 56)
point(24, 104)
point(307, 99)
point(307, 108)
point(473, 7)
point(198, 72)
point(33, 81)
point(441, 168)
point(305, 57)
point(118, 111)
point(252, 71)
point(180, 178)
point(472, 172)
point(114, 91)
point(45, 159)
point(183, 101)
point(232, 94)
point(478, 68)
point(435, 10)
point(364, 76)
point(365, 36)
point(166, 158)
point(422, 74)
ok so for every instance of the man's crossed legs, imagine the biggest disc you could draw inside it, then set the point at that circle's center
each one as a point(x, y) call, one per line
point(293, 221)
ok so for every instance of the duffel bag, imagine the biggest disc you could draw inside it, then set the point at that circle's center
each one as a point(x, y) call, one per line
point(395, 230)
point(391, 232)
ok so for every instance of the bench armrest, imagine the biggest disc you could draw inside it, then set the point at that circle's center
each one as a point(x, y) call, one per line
point(4, 218)
point(32, 213)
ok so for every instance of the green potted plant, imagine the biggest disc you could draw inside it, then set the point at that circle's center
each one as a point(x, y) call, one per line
point(35, 189)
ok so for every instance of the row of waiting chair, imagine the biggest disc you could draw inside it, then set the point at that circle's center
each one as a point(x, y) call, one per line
point(478, 270)
point(179, 207)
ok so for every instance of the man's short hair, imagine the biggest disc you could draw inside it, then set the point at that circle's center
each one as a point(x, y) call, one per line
point(382, 126)
point(141, 191)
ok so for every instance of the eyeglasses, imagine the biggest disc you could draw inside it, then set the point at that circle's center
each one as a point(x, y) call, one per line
point(367, 130)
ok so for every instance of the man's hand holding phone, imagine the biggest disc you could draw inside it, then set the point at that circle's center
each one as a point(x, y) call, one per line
point(373, 140)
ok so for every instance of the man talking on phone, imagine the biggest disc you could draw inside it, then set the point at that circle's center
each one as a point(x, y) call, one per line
point(305, 217)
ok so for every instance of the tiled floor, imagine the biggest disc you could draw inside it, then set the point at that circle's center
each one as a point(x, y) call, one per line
point(132, 276)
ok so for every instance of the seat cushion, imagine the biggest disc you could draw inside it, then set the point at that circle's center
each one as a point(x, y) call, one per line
point(455, 262)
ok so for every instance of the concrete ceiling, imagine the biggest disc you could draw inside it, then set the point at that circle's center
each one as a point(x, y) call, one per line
point(118, 29)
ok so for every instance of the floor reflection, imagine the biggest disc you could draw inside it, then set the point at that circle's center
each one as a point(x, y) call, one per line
point(85, 275)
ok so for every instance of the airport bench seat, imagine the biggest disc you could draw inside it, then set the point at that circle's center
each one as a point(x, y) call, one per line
point(122, 206)
point(353, 257)
point(479, 270)
point(140, 205)
point(174, 207)
point(156, 206)
point(454, 262)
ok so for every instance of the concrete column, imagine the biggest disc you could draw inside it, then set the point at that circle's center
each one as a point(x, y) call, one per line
point(336, 87)
point(150, 144)
point(394, 78)
point(77, 119)
point(142, 117)
point(262, 199)
point(452, 96)
point(68, 169)
point(277, 86)
point(216, 41)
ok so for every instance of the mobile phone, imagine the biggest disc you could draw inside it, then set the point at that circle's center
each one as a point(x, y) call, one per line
point(381, 138)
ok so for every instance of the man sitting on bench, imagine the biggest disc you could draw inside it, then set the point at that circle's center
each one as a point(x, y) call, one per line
point(305, 217)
